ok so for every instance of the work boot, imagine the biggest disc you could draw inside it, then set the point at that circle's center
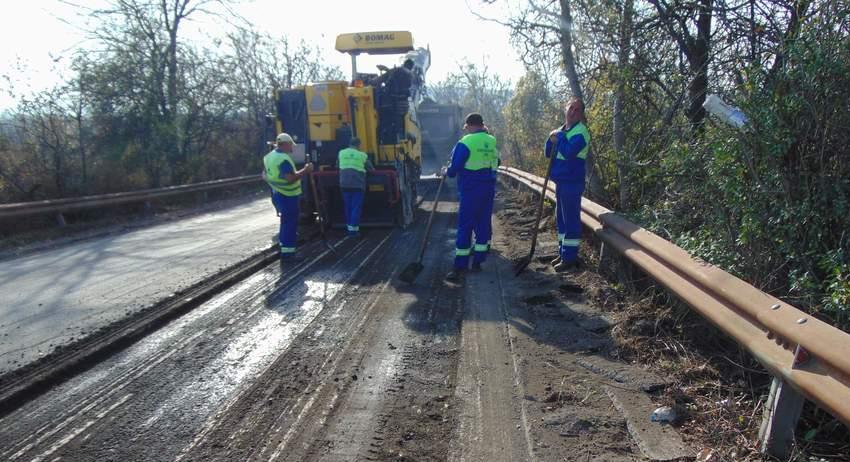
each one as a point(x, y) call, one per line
point(565, 266)
point(455, 275)
point(555, 261)
point(476, 267)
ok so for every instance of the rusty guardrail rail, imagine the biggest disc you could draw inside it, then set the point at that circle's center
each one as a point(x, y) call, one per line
point(60, 206)
point(797, 349)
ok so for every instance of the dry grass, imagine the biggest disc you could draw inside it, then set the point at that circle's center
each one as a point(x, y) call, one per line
point(718, 389)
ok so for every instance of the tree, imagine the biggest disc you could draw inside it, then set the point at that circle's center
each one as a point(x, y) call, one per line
point(147, 34)
point(529, 116)
point(47, 134)
point(679, 20)
point(259, 64)
point(476, 89)
point(128, 118)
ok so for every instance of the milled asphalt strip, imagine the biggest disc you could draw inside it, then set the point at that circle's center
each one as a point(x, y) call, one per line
point(98, 398)
point(59, 444)
point(519, 388)
point(21, 386)
point(336, 357)
point(214, 420)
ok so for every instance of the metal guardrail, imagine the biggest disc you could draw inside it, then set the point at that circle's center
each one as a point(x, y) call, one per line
point(88, 202)
point(796, 348)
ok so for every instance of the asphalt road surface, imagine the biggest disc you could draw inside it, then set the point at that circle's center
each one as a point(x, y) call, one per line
point(334, 359)
point(52, 297)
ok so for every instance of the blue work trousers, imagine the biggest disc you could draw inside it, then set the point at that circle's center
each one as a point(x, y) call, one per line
point(353, 200)
point(287, 209)
point(568, 214)
point(476, 208)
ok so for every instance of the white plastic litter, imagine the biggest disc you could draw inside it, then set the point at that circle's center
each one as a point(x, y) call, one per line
point(663, 414)
point(725, 112)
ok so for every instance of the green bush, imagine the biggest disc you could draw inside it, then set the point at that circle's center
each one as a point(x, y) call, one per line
point(770, 202)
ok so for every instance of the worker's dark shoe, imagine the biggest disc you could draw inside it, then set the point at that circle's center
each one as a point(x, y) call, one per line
point(555, 261)
point(565, 266)
point(455, 275)
point(476, 267)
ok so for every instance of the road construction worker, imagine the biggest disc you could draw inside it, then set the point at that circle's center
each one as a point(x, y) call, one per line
point(353, 165)
point(285, 181)
point(570, 145)
point(475, 160)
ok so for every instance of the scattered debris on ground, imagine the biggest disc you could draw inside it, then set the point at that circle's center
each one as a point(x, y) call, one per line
point(715, 388)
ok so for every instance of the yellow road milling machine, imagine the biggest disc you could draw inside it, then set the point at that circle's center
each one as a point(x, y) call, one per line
point(378, 108)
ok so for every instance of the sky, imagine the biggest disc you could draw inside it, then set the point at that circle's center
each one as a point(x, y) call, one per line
point(40, 35)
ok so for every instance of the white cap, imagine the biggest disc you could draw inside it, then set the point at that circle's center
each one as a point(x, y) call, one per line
point(284, 138)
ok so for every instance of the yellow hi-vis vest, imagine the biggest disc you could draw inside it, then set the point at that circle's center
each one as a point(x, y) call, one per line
point(353, 159)
point(482, 151)
point(272, 162)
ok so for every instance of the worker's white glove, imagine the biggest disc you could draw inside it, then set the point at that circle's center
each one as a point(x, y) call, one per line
point(443, 171)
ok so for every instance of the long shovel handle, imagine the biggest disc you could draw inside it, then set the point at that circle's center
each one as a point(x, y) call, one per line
point(430, 220)
point(319, 209)
point(551, 153)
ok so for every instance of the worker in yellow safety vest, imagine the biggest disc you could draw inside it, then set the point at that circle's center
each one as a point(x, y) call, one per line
point(353, 167)
point(285, 182)
point(475, 161)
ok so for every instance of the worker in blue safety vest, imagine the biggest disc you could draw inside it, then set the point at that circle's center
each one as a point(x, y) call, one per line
point(353, 165)
point(475, 161)
point(285, 181)
point(570, 145)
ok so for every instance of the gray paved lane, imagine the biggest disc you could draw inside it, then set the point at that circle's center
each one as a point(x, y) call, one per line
point(50, 298)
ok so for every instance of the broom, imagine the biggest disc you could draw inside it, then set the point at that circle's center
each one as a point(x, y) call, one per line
point(409, 273)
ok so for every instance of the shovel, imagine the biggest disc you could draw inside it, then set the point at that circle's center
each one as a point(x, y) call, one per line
point(321, 211)
point(521, 265)
point(409, 273)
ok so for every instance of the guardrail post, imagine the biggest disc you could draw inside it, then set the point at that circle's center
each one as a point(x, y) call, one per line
point(60, 220)
point(204, 198)
point(607, 257)
point(614, 265)
point(781, 412)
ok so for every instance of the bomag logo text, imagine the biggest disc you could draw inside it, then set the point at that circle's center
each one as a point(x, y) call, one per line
point(379, 37)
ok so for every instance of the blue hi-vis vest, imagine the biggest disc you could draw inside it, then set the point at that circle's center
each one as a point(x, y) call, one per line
point(578, 129)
